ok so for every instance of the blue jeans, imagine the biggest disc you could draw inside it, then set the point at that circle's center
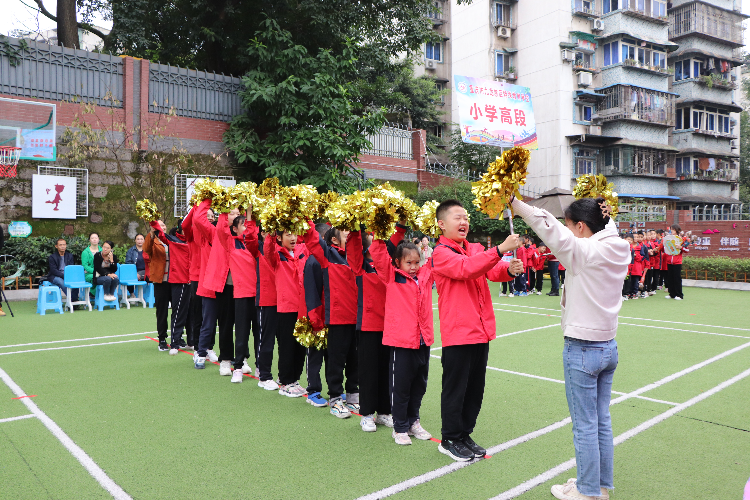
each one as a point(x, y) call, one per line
point(589, 368)
point(58, 281)
point(109, 285)
point(555, 277)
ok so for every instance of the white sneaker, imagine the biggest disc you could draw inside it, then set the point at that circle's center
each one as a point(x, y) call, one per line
point(293, 390)
point(173, 352)
point(339, 409)
point(667, 297)
point(538, 293)
point(352, 401)
point(367, 423)
point(652, 293)
point(401, 438)
point(225, 368)
point(678, 298)
point(257, 373)
point(212, 357)
point(268, 385)
point(245, 367)
point(418, 432)
point(237, 377)
point(569, 491)
point(386, 420)
point(501, 294)
point(624, 297)
point(510, 295)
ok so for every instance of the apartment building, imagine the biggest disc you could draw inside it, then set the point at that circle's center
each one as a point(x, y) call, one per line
point(610, 91)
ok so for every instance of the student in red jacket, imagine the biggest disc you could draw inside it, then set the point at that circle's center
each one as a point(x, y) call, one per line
point(467, 323)
point(287, 264)
point(236, 239)
point(266, 301)
point(408, 330)
point(674, 266)
point(636, 268)
point(520, 282)
point(340, 304)
point(179, 281)
point(194, 319)
point(374, 393)
point(537, 267)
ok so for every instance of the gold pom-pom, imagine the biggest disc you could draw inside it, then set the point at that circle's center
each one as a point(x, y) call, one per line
point(290, 209)
point(349, 212)
point(386, 207)
point(206, 189)
point(426, 220)
point(269, 187)
point(503, 179)
point(245, 195)
point(596, 186)
point(324, 200)
point(146, 210)
point(303, 331)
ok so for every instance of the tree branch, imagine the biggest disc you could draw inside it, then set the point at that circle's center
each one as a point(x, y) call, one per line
point(44, 10)
point(88, 27)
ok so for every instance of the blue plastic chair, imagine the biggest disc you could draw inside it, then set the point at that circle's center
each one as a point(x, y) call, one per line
point(50, 297)
point(99, 301)
point(148, 296)
point(74, 277)
point(128, 275)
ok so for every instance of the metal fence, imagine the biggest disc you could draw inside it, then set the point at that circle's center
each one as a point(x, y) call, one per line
point(180, 191)
point(391, 142)
point(82, 184)
point(719, 212)
point(452, 170)
point(192, 93)
point(57, 73)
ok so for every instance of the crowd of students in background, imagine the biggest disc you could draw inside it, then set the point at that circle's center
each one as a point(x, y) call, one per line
point(530, 282)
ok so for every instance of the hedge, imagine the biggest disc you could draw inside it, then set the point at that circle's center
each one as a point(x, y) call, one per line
point(716, 268)
point(35, 250)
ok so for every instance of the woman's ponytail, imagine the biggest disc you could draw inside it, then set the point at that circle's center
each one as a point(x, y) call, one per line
point(590, 211)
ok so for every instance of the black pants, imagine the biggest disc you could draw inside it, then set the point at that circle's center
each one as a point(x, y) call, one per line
point(195, 316)
point(531, 281)
point(268, 325)
point(520, 284)
point(291, 352)
point(635, 282)
point(342, 357)
point(508, 285)
point(180, 306)
point(244, 316)
point(626, 287)
point(161, 301)
point(649, 278)
point(539, 279)
point(464, 369)
point(674, 280)
point(374, 390)
point(408, 375)
point(209, 313)
point(225, 300)
point(314, 364)
point(662, 277)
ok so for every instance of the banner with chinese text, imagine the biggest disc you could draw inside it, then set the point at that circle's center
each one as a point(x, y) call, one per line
point(495, 113)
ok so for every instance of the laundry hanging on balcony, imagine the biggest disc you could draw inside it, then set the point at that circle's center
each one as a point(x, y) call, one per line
point(711, 164)
point(703, 163)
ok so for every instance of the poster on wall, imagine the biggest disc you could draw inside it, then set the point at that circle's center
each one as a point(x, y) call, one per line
point(53, 197)
point(495, 113)
point(38, 144)
point(190, 185)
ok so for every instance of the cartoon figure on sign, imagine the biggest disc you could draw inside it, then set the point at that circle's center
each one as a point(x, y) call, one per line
point(56, 201)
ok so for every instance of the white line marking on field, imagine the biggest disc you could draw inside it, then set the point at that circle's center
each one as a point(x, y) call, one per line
point(689, 331)
point(526, 312)
point(96, 472)
point(72, 346)
point(75, 340)
point(511, 333)
point(555, 471)
point(12, 419)
point(447, 469)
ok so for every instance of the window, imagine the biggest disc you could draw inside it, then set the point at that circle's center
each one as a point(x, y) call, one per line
point(432, 51)
point(502, 14)
point(698, 119)
point(435, 12)
point(660, 59)
point(611, 53)
point(659, 8)
point(610, 6)
point(583, 6)
point(437, 131)
point(682, 166)
point(583, 60)
point(678, 75)
point(584, 112)
point(711, 118)
point(682, 119)
point(440, 87)
point(585, 161)
point(628, 52)
point(696, 69)
point(502, 63)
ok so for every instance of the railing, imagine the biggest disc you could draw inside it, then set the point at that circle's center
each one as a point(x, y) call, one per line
point(722, 174)
point(714, 133)
point(717, 81)
point(454, 171)
point(733, 212)
point(580, 64)
point(624, 102)
point(638, 212)
point(579, 9)
point(391, 142)
point(632, 63)
point(45, 71)
point(436, 15)
point(706, 275)
point(192, 93)
point(643, 13)
point(706, 20)
point(630, 160)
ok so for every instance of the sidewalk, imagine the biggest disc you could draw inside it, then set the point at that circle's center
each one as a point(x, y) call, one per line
point(723, 285)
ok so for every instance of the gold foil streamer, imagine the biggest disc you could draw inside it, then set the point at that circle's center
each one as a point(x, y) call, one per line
point(387, 206)
point(426, 220)
point(501, 182)
point(303, 331)
point(290, 209)
point(146, 210)
point(596, 186)
point(349, 212)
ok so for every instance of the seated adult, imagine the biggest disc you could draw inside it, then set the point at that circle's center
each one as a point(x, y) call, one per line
point(58, 261)
point(135, 256)
point(105, 266)
point(87, 257)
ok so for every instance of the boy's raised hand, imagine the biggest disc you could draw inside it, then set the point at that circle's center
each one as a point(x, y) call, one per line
point(511, 243)
point(516, 267)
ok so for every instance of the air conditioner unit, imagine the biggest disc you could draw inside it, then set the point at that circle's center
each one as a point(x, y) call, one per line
point(595, 130)
point(503, 32)
point(568, 55)
point(597, 25)
point(430, 64)
point(584, 79)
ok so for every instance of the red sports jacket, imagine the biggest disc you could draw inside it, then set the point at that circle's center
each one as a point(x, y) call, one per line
point(194, 246)
point(408, 301)
point(241, 262)
point(464, 301)
point(288, 272)
point(205, 230)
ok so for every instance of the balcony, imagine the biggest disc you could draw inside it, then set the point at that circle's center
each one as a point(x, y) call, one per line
point(642, 13)
point(436, 16)
point(718, 175)
point(504, 23)
point(648, 68)
point(582, 65)
point(625, 102)
point(718, 81)
point(639, 161)
point(714, 133)
point(706, 21)
point(586, 9)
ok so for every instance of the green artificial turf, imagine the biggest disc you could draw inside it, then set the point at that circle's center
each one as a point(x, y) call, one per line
point(161, 429)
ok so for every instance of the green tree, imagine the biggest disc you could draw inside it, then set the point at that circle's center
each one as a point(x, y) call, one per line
point(303, 126)
point(745, 152)
point(472, 156)
point(479, 224)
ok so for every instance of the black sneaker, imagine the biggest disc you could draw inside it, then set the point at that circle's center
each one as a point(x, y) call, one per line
point(478, 451)
point(456, 450)
point(554, 294)
point(163, 346)
point(183, 344)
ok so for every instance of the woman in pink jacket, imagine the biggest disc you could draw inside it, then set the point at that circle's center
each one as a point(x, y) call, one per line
point(590, 247)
